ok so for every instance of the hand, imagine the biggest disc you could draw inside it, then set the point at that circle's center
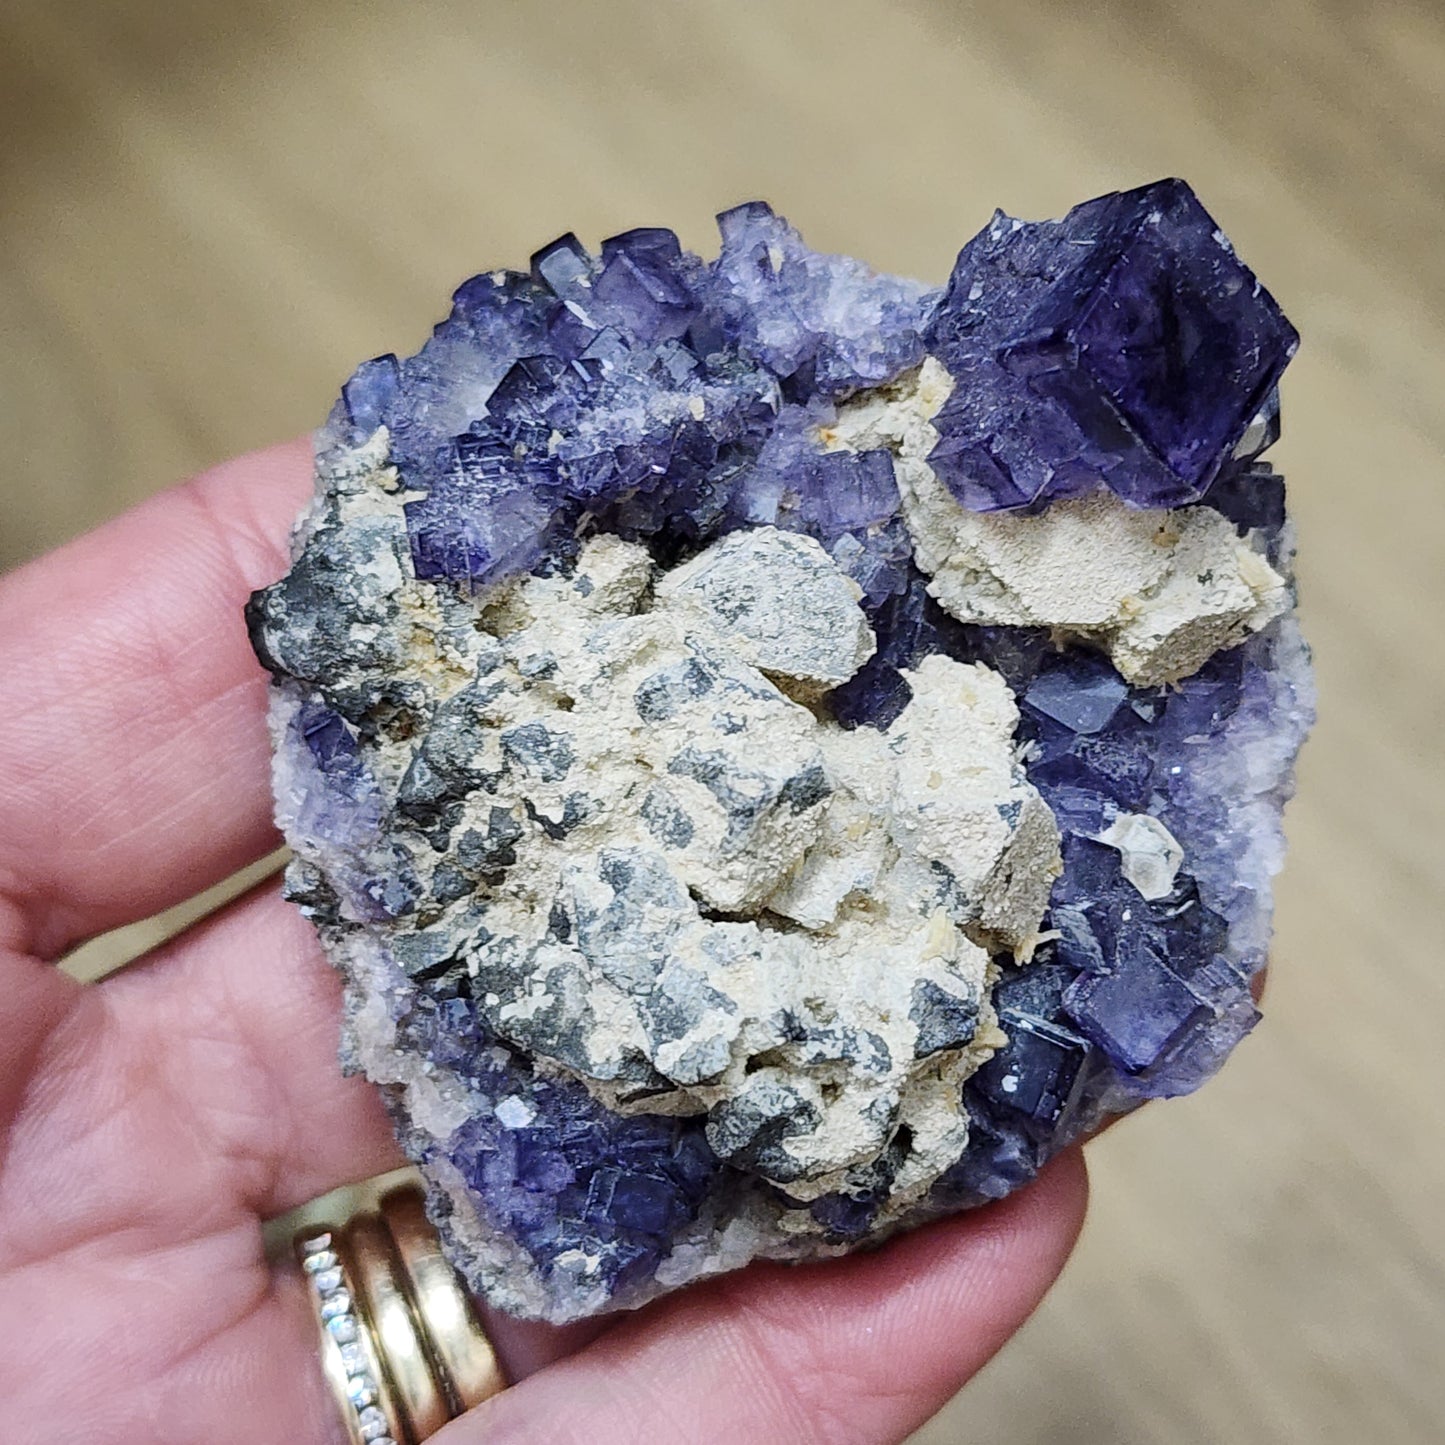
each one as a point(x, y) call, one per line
point(149, 1124)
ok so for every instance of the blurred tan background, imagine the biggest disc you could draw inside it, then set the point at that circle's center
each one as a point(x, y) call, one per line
point(212, 211)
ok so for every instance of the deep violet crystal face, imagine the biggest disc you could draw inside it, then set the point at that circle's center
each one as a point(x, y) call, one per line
point(1133, 339)
point(778, 751)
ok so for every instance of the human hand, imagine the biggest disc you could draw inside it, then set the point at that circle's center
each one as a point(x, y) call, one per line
point(150, 1124)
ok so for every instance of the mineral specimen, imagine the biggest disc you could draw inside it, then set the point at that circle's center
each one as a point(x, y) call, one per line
point(777, 752)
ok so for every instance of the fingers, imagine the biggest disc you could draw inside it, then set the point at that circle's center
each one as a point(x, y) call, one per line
point(245, 1013)
point(525, 1346)
point(206, 1092)
point(248, 1015)
point(189, 1341)
point(34, 1002)
point(857, 1350)
point(133, 763)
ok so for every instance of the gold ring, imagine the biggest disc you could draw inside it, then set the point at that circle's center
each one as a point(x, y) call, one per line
point(403, 1353)
point(460, 1346)
point(401, 1345)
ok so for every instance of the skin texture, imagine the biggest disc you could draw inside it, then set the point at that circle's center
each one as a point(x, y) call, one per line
point(150, 1124)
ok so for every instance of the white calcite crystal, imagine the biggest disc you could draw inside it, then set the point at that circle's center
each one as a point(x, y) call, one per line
point(956, 813)
point(1150, 855)
point(674, 884)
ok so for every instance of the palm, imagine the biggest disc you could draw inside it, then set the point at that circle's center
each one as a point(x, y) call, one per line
point(149, 1125)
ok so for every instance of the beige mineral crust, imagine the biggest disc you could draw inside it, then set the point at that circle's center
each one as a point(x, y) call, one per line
point(737, 907)
point(1160, 592)
point(749, 586)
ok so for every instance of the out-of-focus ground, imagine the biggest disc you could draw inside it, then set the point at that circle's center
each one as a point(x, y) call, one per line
point(211, 212)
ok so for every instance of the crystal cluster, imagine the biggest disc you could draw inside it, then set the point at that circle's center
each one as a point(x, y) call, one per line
point(1125, 344)
point(777, 751)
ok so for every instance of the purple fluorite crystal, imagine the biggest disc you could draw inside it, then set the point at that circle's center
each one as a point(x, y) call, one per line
point(575, 789)
point(1125, 344)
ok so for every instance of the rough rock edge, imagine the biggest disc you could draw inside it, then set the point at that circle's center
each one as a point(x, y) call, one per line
point(493, 1266)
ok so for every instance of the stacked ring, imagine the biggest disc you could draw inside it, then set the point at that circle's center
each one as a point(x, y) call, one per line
point(463, 1354)
point(401, 1346)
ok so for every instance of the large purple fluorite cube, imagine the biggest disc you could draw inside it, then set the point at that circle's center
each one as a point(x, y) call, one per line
point(1126, 343)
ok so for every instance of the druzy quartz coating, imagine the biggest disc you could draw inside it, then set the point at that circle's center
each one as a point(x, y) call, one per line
point(777, 751)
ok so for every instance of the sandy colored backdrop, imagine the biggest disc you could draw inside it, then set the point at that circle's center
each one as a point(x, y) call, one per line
point(212, 211)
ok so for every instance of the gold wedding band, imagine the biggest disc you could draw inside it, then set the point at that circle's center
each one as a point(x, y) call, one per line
point(460, 1347)
point(398, 1337)
point(401, 1346)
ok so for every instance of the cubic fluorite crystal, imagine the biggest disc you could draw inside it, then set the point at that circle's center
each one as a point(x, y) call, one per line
point(776, 751)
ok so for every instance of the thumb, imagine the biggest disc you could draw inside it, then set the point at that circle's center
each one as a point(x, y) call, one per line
point(860, 1349)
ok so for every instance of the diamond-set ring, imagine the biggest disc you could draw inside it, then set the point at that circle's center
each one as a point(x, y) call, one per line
point(401, 1347)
